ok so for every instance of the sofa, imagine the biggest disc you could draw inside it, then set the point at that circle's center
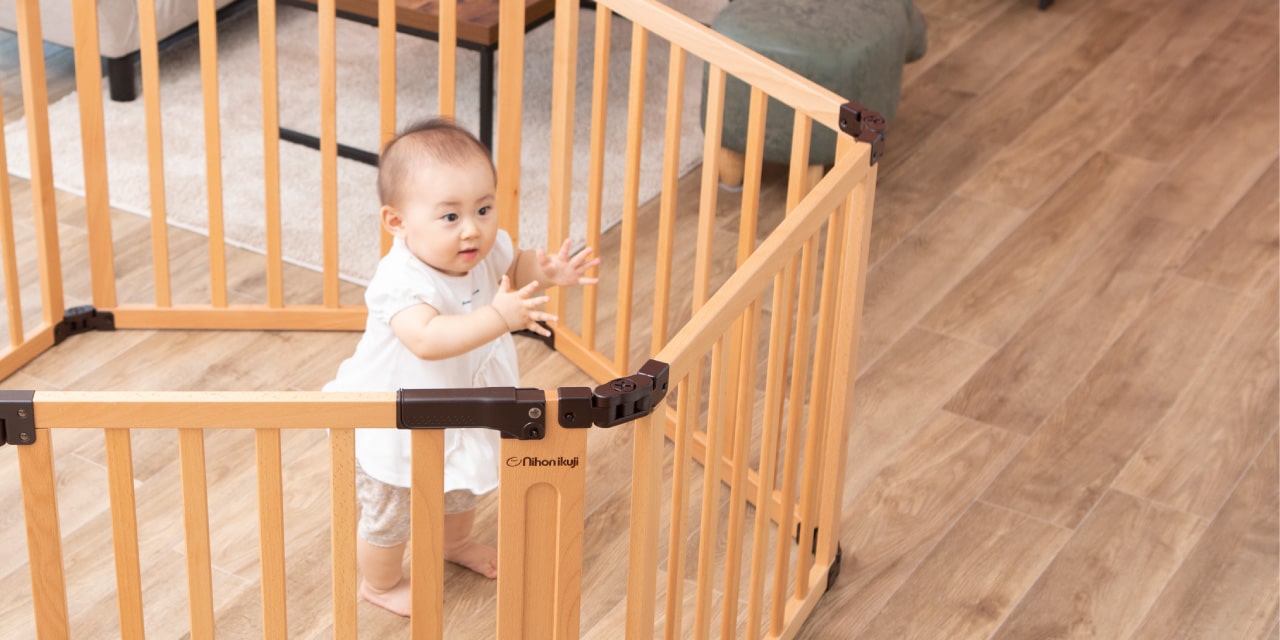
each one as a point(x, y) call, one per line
point(117, 32)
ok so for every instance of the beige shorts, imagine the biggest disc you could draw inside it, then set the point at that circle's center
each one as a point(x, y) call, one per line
point(384, 509)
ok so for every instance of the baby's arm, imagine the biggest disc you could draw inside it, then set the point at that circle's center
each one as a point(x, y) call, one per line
point(431, 335)
point(552, 270)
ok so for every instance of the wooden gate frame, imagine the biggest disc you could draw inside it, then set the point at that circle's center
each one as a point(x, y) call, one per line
point(539, 507)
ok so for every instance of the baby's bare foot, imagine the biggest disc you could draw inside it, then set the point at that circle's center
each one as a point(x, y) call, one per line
point(480, 558)
point(397, 599)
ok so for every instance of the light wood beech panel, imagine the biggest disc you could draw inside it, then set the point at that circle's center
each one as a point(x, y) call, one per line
point(293, 317)
point(447, 69)
point(271, 533)
point(271, 151)
point(541, 533)
point(44, 537)
point(426, 553)
point(93, 144)
point(563, 87)
point(208, 26)
point(9, 255)
point(124, 531)
point(510, 111)
point(195, 520)
point(150, 63)
point(36, 105)
point(329, 147)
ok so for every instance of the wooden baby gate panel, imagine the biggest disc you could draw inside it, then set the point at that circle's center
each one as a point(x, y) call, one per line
point(735, 487)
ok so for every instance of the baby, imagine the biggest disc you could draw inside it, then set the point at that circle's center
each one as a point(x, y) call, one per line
point(442, 305)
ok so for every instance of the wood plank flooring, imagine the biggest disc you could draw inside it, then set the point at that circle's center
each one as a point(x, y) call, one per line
point(1066, 411)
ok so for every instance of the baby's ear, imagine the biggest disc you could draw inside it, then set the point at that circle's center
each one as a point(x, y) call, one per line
point(391, 220)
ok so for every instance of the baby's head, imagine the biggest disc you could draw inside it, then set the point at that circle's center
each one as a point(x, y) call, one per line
point(437, 185)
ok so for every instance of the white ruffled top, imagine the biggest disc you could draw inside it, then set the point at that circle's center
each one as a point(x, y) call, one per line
point(382, 363)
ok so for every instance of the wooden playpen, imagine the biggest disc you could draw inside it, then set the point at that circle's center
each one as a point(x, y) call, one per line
point(763, 419)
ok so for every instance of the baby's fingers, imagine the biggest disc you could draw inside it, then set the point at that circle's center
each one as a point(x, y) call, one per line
point(528, 289)
point(539, 329)
point(534, 303)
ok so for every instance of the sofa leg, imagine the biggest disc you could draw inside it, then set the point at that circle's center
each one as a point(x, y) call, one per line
point(731, 165)
point(120, 78)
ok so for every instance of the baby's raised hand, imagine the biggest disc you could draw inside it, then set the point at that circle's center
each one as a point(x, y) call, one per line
point(519, 310)
point(562, 270)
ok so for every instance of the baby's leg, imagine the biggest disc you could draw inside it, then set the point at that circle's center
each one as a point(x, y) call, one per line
point(459, 549)
point(384, 583)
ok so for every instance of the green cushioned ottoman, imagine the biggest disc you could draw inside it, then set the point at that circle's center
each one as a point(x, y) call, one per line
point(855, 48)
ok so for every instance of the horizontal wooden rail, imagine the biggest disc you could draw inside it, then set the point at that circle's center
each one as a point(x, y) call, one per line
point(735, 59)
point(256, 317)
point(214, 409)
point(34, 343)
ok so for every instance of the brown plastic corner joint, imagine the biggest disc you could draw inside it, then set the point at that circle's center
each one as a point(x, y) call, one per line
point(864, 125)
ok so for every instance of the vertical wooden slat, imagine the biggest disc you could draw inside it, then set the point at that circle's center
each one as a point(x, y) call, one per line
point(44, 536)
point(271, 533)
point(93, 143)
point(563, 87)
point(667, 204)
point(710, 187)
point(711, 490)
point(816, 427)
point(743, 365)
point(540, 534)
point(195, 518)
point(342, 478)
point(124, 531)
point(595, 172)
point(646, 504)
point(856, 243)
point(329, 147)
point(630, 196)
point(386, 84)
point(426, 562)
point(213, 151)
point(510, 108)
point(798, 184)
point(738, 490)
point(35, 99)
point(271, 150)
point(150, 63)
point(682, 460)
point(447, 72)
point(775, 378)
point(9, 251)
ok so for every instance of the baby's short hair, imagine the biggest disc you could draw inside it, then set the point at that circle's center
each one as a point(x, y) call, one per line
point(439, 139)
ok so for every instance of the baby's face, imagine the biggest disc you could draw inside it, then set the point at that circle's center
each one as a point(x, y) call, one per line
point(447, 213)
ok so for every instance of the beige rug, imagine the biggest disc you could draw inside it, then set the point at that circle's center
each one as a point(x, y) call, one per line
point(242, 139)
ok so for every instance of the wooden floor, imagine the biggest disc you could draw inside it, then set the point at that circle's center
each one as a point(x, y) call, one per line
point(1067, 402)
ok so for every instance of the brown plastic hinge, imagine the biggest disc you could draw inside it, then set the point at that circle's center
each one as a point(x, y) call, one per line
point(81, 320)
point(17, 417)
point(516, 413)
point(615, 402)
point(865, 125)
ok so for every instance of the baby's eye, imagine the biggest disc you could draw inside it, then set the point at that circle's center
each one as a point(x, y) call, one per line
point(450, 217)
point(484, 211)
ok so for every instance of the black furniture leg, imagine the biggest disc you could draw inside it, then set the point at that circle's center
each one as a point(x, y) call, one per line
point(120, 77)
point(486, 96)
